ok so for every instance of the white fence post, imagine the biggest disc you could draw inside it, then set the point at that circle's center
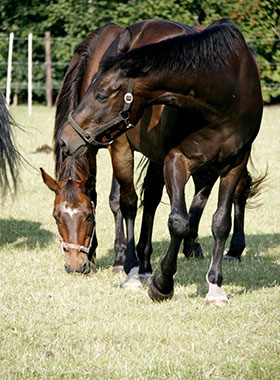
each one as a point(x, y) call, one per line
point(29, 74)
point(9, 72)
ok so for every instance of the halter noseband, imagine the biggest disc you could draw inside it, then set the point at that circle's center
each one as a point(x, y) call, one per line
point(123, 116)
point(79, 247)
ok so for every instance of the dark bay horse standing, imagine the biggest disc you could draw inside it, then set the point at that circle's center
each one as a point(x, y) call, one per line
point(213, 77)
point(9, 156)
point(79, 197)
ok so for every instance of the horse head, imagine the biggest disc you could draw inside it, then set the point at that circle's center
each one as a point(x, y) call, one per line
point(74, 213)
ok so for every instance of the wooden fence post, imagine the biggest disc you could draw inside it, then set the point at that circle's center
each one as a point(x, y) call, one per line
point(48, 69)
point(29, 74)
point(9, 72)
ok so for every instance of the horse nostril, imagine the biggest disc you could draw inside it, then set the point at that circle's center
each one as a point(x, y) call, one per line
point(67, 268)
point(84, 268)
point(62, 145)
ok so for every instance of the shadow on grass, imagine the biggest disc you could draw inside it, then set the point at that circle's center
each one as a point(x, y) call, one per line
point(256, 269)
point(23, 233)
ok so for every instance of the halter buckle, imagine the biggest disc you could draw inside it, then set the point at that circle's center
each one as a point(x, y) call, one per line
point(128, 97)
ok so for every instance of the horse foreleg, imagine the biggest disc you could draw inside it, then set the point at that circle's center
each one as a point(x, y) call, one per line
point(204, 181)
point(176, 176)
point(153, 186)
point(123, 166)
point(221, 225)
point(120, 240)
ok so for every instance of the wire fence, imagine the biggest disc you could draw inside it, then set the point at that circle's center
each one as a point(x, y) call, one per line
point(63, 47)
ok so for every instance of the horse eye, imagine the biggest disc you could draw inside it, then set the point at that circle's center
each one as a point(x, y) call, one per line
point(101, 97)
point(56, 218)
point(89, 217)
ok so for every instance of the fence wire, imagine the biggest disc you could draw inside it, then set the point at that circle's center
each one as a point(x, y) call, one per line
point(19, 73)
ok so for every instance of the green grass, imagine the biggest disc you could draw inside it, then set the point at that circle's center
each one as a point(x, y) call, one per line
point(60, 326)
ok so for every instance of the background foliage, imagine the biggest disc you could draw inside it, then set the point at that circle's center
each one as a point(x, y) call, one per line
point(259, 20)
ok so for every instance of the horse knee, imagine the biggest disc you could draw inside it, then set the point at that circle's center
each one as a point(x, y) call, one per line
point(178, 224)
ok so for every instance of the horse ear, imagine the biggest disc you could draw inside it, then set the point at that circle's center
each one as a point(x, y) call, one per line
point(125, 39)
point(49, 181)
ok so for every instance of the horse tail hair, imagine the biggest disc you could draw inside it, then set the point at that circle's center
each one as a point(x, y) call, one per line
point(9, 156)
point(254, 185)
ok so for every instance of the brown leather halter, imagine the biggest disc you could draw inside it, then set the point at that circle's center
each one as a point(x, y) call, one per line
point(80, 248)
point(123, 116)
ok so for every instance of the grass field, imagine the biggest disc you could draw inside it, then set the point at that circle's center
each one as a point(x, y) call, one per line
point(60, 326)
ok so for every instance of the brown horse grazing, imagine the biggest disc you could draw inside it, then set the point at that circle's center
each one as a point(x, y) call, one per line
point(75, 187)
point(9, 156)
point(212, 80)
point(74, 212)
point(82, 67)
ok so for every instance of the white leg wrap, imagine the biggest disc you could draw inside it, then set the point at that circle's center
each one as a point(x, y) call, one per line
point(132, 281)
point(215, 295)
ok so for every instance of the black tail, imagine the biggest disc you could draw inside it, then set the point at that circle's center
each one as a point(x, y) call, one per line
point(254, 185)
point(9, 156)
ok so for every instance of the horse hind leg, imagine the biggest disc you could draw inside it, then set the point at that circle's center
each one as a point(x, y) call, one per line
point(221, 225)
point(237, 244)
point(153, 186)
point(204, 181)
point(120, 243)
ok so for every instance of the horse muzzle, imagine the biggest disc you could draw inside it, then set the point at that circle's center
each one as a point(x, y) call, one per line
point(71, 143)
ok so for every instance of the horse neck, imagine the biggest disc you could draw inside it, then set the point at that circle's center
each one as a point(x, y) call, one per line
point(165, 88)
point(106, 36)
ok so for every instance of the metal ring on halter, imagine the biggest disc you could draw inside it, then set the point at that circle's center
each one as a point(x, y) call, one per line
point(128, 97)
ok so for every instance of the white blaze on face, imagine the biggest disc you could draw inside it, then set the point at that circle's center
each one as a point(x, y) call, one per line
point(68, 210)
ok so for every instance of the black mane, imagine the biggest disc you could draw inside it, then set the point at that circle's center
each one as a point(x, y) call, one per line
point(68, 98)
point(197, 51)
point(68, 172)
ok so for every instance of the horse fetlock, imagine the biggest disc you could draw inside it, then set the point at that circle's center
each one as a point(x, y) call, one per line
point(214, 277)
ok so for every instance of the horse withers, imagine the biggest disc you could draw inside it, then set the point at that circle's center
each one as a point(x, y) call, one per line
point(213, 77)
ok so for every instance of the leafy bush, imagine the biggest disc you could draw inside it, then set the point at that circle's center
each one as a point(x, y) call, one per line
point(259, 20)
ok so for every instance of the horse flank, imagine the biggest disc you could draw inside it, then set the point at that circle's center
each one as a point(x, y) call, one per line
point(203, 50)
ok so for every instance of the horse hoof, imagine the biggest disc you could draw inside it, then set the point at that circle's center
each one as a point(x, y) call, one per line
point(132, 281)
point(194, 252)
point(117, 269)
point(156, 295)
point(198, 251)
point(227, 257)
point(145, 278)
point(215, 296)
point(219, 303)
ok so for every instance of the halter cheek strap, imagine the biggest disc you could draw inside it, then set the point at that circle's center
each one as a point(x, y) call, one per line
point(123, 116)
